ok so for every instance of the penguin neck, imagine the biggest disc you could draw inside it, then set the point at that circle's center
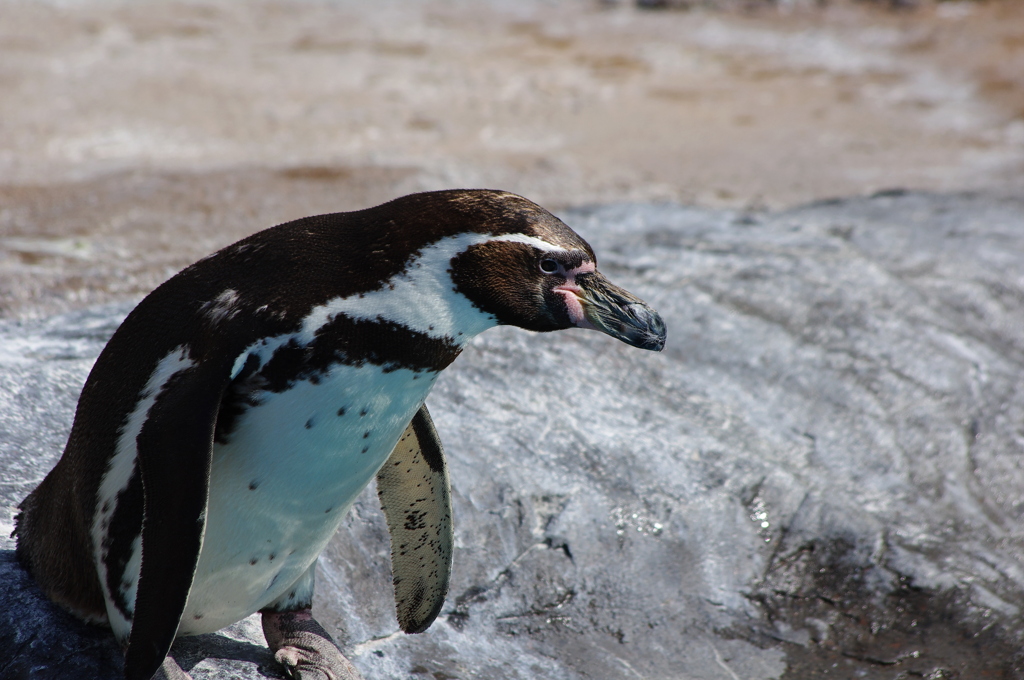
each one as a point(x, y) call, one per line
point(421, 298)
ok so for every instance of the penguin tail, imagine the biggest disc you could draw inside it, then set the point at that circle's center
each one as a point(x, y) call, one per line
point(55, 551)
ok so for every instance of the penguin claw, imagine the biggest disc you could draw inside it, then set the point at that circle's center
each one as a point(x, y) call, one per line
point(302, 664)
point(305, 649)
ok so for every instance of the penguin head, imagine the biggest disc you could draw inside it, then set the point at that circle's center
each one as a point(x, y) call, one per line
point(544, 277)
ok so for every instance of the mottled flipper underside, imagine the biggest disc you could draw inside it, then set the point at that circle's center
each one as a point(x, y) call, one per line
point(415, 494)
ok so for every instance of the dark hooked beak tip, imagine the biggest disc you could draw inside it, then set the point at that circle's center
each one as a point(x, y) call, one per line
point(647, 331)
point(620, 314)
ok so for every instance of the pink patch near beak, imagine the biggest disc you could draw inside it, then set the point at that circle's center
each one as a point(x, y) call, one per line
point(571, 293)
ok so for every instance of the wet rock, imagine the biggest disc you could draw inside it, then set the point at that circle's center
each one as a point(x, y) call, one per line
point(820, 476)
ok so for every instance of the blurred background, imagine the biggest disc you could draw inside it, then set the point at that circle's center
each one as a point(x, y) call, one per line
point(136, 137)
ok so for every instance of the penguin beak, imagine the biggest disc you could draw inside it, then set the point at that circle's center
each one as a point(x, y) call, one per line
point(617, 312)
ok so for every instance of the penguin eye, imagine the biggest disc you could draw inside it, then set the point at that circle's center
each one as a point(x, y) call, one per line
point(548, 266)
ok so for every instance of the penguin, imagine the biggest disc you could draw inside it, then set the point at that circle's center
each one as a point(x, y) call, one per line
point(237, 412)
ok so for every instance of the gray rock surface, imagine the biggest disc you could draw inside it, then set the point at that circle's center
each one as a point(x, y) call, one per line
point(821, 475)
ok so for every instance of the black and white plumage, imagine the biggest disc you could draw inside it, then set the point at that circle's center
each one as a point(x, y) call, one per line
point(243, 405)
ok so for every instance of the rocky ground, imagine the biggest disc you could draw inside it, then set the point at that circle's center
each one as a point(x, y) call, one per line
point(843, 372)
point(820, 476)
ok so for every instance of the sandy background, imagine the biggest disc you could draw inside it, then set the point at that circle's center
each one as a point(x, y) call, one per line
point(137, 137)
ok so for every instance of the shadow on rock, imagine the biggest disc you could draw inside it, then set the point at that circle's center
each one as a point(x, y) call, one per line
point(823, 604)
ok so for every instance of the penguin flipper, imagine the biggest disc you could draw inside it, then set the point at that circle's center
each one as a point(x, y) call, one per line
point(415, 494)
point(174, 452)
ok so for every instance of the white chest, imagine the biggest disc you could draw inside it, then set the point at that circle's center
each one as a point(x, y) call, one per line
point(280, 487)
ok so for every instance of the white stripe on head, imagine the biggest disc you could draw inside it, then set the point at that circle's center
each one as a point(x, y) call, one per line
point(422, 297)
point(529, 240)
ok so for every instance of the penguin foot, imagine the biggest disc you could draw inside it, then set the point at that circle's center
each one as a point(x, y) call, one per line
point(170, 670)
point(304, 648)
